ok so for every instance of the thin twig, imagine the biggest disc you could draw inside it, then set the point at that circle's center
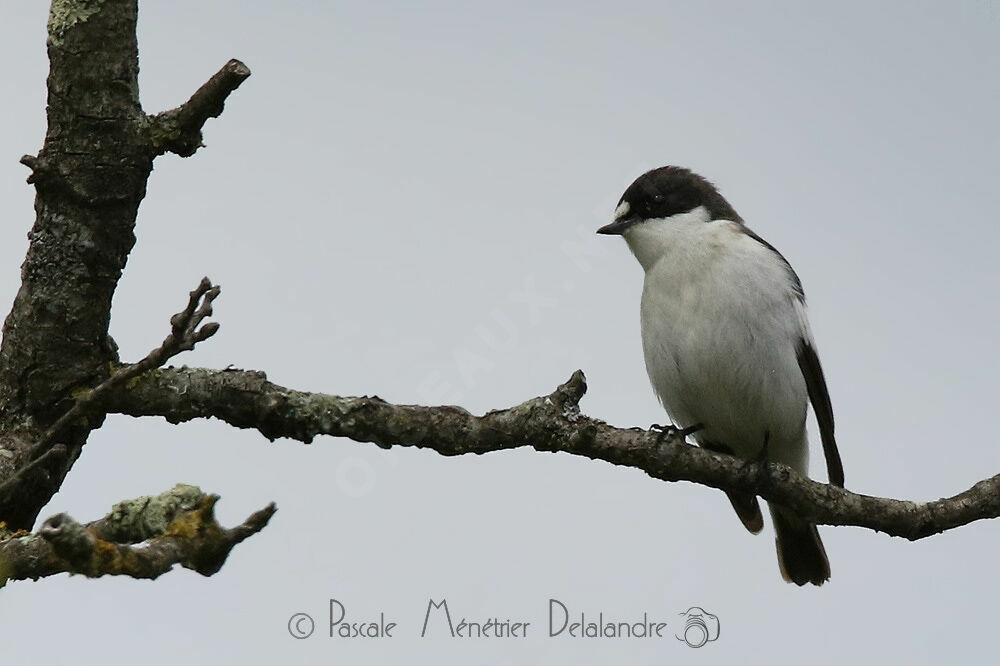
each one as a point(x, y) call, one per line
point(185, 332)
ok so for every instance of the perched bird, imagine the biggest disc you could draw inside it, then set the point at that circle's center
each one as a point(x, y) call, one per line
point(727, 343)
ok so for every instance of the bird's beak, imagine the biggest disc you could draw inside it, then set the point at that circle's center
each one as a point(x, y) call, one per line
point(617, 227)
point(622, 221)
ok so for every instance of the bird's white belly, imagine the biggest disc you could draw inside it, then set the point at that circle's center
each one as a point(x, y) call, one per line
point(719, 341)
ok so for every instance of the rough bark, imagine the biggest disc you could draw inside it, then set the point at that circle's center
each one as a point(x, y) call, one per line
point(89, 178)
point(246, 399)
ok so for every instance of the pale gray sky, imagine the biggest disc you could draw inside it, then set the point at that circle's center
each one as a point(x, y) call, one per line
point(401, 200)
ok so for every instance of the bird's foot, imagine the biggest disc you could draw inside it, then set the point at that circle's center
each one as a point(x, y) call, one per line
point(674, 433)
point(757, 465)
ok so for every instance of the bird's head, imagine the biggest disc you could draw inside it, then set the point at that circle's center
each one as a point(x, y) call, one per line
point(660, 204)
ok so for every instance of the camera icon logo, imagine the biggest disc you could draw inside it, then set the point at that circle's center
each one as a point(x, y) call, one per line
point(699, 627)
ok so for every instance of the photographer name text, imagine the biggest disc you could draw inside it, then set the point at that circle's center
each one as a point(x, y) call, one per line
point(562, 621)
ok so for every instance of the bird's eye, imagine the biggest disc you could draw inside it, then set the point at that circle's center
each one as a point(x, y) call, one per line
point(658, 198)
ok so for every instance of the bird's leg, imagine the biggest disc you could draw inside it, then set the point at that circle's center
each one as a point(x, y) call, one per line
point(762, 454)
point(671, 431)
point(759, 462)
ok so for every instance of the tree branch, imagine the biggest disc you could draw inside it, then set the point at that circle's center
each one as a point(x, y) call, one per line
point(246, 399)
point(184, 335)
point(175, 527)
point(179, 130)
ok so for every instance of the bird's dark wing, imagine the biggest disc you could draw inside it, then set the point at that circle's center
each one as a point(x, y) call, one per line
point(819, 396)
point(812, 371)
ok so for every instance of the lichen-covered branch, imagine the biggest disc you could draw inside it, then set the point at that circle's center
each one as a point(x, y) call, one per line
point(140, 538)
point(246, 399)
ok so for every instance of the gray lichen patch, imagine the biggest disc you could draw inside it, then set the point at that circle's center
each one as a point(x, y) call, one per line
point(144, 517)
point(64, 14)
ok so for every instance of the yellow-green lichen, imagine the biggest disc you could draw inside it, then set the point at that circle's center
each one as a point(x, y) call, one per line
point(5, 534)
point(64, 14)
point(163, 131)
point(79, 393)
point(194, 525)
point(132, 383)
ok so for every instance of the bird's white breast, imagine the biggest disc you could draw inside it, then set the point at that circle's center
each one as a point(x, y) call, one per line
point(720, 325)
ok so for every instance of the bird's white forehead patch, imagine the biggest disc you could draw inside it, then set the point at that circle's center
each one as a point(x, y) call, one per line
point(622, 210)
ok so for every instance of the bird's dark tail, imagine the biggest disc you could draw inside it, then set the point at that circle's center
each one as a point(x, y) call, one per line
point(801, 556)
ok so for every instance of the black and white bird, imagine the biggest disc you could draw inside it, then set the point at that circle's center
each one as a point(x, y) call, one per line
point(727, 343)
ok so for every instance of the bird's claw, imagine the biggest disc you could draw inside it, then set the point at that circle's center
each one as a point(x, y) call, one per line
point(670, 431)
point(759, 462)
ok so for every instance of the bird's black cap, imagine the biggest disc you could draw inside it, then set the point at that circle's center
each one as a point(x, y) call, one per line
point(664, 192)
